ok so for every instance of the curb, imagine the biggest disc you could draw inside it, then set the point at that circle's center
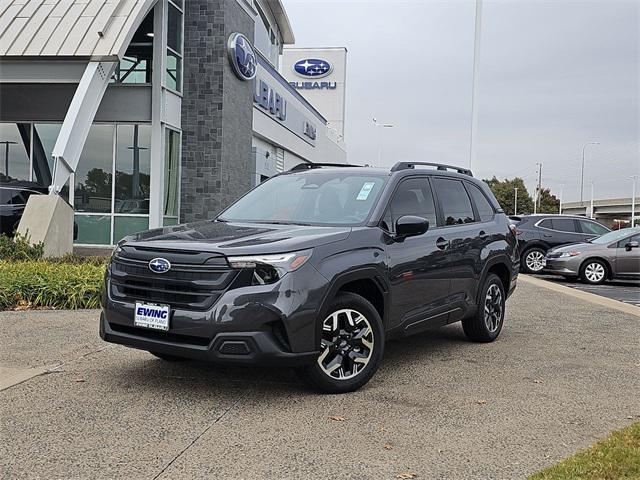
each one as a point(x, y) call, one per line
point(586, 296)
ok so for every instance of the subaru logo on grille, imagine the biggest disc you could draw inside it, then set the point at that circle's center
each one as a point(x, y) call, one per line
point(313, 68)
point(242, 57)
point(159, 265)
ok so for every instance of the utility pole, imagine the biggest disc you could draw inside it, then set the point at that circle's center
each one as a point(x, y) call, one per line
point(515, 206)
point(582, 169)
point(6, 155)
point(633, 200)
point(561, 194)
point(475, 86)
point(537, 200)
point(383, 125)
point(591, 208)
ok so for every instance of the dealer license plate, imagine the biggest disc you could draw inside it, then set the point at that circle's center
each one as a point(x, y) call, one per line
point(152, 316)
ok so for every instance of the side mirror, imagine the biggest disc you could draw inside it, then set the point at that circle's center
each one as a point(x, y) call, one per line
point(631, 245)
point(410, 225)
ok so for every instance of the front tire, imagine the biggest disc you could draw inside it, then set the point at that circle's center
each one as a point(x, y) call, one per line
point(594, 272)
point(532, 260)
point(352, 346)
point(486, 323)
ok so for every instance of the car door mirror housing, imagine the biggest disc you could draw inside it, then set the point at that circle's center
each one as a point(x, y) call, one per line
point(411, 225)
point(631, 245)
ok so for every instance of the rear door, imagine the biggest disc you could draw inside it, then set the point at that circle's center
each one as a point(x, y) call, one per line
point(559, 231)
point(460, 233)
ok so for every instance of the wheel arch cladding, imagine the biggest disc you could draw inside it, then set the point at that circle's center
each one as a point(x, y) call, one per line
point(500, 267)
point(369, 289)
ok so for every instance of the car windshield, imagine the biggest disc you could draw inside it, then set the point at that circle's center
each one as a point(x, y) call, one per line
point(310, 198)
point(615, 236)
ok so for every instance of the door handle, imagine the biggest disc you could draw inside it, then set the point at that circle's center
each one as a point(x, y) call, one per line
point(442, 243)
point(547, 235)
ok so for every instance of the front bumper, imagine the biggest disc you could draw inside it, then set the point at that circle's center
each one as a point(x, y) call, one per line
point(269, 325)
point(567, 267)
point(248, 348)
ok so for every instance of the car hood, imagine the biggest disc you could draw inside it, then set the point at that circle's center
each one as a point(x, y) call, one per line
point(582, 247)
point(237, 238)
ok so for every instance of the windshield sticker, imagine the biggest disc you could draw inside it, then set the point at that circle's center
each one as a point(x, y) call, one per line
point(365, 191)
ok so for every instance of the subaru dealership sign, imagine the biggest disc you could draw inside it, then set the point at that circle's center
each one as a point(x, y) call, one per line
point(312, 68)
point(242, 57)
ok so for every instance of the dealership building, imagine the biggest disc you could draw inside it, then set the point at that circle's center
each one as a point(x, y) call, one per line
point(149, 113)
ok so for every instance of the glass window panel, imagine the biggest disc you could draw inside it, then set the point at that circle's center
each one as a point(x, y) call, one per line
point(413, 197)
point(170, 221)
point(94, 173)
point(174, 29)
point(173, 77)
point(123, 226)
point(592, 227)
point(93, 229)
point(15, 146)
point(485, 210)
point(44, 139)
point(133, 144)
point(171, 173)
point(564, 224)
point(455, 202)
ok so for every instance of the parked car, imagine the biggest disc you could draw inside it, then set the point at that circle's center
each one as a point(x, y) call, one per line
point(316, 268)
point(537, 234)
point(13, 200)
point(613, 255)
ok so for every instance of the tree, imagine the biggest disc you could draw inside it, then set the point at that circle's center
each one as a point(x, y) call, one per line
point(504, 191)
point(548, 202)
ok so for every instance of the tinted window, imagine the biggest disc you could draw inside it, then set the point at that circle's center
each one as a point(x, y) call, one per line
point(546, 223)
point(485, 210)
point(456, 205)
point(592, 227)
point(5, 196)
point(563, 224)
point(413, 197)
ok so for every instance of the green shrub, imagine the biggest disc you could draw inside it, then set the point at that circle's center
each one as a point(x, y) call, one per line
point(19, 248)
point(50, 284)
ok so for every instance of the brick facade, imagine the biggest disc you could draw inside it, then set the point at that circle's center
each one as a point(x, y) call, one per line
point(217, 111)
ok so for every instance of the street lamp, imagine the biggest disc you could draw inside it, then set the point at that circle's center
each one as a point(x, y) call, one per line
point(582, 170)
point(633, 200)
point(382, 125)
point(515, 202)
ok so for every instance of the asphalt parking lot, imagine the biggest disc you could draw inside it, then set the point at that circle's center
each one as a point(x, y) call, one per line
point(563, 373)
point(627, 291)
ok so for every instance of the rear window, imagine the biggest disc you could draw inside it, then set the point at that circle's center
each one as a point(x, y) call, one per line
point(564, 224)
point(456, 204)
point(485, 210)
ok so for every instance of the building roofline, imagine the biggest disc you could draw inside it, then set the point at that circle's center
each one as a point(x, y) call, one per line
point(282, 19)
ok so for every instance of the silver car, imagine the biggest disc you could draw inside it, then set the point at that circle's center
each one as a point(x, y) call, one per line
point(613, 255)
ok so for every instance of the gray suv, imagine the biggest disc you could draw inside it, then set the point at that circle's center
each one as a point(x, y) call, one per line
point(613, 255)
point(316, 268)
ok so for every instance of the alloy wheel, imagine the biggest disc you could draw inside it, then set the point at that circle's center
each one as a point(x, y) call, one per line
point(534, 261)
point(493, 308)
point(594, 272)
point(347, 344)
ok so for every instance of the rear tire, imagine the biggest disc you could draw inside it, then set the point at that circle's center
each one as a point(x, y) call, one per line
point(167, 358)
point(594, 272)
point(532, 260)
point(486, 324)
point(351, 347)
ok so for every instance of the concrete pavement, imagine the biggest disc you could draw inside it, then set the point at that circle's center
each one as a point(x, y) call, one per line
point(563, 373)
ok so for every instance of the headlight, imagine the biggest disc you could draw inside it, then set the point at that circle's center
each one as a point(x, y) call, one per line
point(569, 254)
point(118, 248)
point(271, 268)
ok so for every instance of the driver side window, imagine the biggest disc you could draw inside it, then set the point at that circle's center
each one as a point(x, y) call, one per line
point(413, 197)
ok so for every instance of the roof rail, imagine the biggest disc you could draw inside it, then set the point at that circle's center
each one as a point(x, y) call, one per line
point(409, 165)
point(311, 166)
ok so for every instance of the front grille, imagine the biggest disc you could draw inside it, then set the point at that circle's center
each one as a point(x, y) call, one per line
point(160, 335)
point(189, 287)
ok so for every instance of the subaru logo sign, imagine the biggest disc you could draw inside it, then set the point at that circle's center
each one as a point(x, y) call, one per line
point(242, 57)
point(313, 68)
point(159, 265)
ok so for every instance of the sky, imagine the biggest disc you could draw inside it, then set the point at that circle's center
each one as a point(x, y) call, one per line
point(553, 75)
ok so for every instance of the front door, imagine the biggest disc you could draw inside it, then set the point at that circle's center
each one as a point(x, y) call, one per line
point(418, 266)
point(628, 261)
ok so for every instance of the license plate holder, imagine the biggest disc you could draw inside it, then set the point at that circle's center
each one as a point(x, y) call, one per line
point(152, 316)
